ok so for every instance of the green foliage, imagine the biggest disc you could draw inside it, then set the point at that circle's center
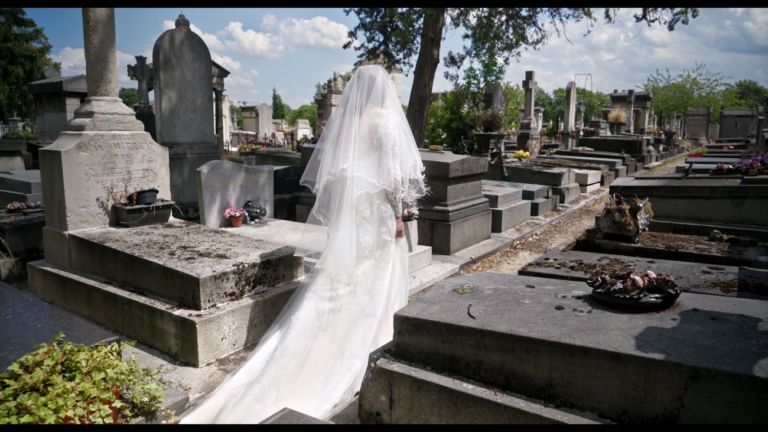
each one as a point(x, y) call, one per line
point(451, 122)
point(130, 96)
point(278, 107)
point(19, 135)
point(551, 111)
point(514, 98)
point(689, 88)
point(62, 382)
point(747, 93)
point(307, 111)
point(24, 53)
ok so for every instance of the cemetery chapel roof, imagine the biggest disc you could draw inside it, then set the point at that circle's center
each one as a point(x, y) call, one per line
point(74, 84)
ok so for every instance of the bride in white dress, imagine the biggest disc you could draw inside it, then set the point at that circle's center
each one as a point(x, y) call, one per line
point(365, 168)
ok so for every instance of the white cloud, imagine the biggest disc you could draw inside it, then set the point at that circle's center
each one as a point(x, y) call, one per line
point(318, 32)
point(73, 63)
point(251, 42)
point(227, 62)
point(254, 73)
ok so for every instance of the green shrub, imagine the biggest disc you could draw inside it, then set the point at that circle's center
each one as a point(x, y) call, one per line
point(19, 135)
point(62, 382)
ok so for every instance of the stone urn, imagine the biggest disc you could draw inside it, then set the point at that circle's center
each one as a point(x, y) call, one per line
point(411, 234)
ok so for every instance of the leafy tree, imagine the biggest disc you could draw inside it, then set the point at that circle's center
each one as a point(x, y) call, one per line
point(594, 102)
point(238, 115)
point(551, 112)
point(129, 96)
point(750, 93)
point(452, 121)
point(401, 35)
point(278, 107)
point(514, 98)
point(24, 53)
point(307, 111)
point(691, 87)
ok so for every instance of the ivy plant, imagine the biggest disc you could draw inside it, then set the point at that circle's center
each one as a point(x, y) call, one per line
point(62, 382)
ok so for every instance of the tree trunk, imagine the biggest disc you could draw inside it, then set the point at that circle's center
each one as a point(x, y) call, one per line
point(424, 72)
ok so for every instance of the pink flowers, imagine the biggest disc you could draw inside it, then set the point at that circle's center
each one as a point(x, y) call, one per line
point(231, 212)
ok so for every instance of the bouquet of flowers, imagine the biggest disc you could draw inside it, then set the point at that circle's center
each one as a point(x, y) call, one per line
point(410, 214)
point(232, 212)
point(522, 154)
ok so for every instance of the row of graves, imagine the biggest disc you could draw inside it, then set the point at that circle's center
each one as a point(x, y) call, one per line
point(197, 293)
point(656, 315)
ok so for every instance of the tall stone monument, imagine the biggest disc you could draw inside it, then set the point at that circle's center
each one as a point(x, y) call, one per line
point(528, 136)
point(569, 116)
point(104, 147)
point(184, 109)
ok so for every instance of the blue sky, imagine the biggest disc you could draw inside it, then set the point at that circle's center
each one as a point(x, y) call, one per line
point(292, 49)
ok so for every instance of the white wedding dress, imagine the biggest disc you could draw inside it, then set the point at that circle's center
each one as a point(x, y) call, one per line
point(313, 357)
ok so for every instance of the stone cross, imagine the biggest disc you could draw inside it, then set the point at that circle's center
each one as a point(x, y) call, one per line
point(142, 72)
point(529, 85)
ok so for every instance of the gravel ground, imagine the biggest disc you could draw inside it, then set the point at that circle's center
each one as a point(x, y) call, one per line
point(556, 237)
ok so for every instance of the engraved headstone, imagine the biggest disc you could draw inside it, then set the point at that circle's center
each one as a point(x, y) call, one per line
point(184, 108)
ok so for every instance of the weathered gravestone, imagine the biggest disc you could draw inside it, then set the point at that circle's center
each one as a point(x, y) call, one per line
point(528, 137)
point(569, 118)
point(192, 292)
point(455, 215)
point(184, 108)
point(223, 183)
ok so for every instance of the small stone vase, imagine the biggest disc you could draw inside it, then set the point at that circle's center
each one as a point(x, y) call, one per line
point(411, 234)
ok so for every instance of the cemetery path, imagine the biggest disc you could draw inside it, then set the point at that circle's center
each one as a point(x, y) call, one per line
point(556, 236)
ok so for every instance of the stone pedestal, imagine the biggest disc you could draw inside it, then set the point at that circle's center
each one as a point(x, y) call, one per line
point(455, 215)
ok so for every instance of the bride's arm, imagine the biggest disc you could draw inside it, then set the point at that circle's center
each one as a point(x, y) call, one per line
point(388, 140)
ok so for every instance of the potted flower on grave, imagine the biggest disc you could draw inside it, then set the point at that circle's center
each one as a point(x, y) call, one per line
point(410, 214)
point(235, 216)
point(246, 149)
point(490, 123)
point(139, 208)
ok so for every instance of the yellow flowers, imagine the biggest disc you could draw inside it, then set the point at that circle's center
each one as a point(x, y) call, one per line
point(522, 154)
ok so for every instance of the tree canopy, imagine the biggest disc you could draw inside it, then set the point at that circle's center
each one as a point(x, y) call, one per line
point(307, 111)
point(493, 37)
point(24, 53)
point(278, 107)
point(129, 96)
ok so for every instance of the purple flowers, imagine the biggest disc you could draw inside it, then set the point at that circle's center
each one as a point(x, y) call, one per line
point(751, 166)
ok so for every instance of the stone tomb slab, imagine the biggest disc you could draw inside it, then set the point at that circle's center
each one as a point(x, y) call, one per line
point(716, 200)
point(501, 196)
point(185, 263)
point(511, 215)
point(525, 172)
point(702, 361)
point(713, 160)
point(24, 181)
point(586, 177)
point(566, 193)
point(530, 191)
point(196, 337)
point(689, 276)
point(589, 188)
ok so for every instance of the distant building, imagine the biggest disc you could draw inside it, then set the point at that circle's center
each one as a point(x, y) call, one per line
point(637, 109)
point(738, 122)
point(56, 99)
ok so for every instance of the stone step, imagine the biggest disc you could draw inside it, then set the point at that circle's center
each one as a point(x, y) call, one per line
point(541, 206)
point(192, 336)
point(501, 196)
point(526, 172)
point(395, 392)
point(531, 191)
point(510, 216)
point(185, 263)
point(567, 193)
point(420, 257)
point(589, 188)
point(701, 361)
point(289, 416)
point(694, 277)
point(586, 177)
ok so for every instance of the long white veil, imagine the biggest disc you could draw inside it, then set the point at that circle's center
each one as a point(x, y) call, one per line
point(313, 357)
